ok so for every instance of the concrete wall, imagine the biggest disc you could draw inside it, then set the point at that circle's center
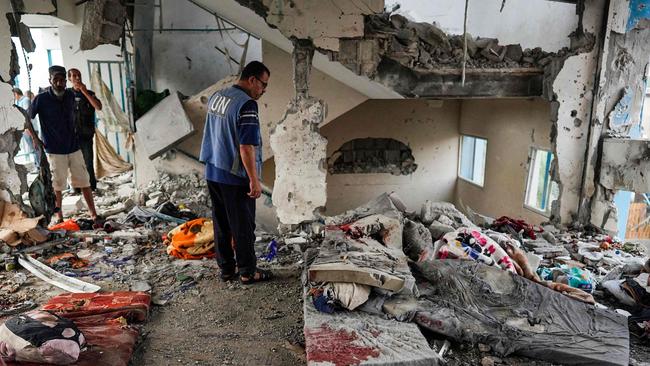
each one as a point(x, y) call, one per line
point(511, 127)
point(429, 128)
point(187, 61)
point(522, 21)
point(338, 97)
point(73, 57)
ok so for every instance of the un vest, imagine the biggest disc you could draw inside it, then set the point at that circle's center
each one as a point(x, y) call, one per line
point(220, 145)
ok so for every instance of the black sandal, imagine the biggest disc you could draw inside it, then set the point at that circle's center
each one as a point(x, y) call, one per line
point(260, 275)
point(228, 276)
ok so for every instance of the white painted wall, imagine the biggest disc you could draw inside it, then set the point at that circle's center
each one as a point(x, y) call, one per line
point(172, 51)
point(532, 23)
point(45, 39)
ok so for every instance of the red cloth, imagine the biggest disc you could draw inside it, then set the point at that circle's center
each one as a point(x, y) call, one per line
point(134, 306)
point(517, 225)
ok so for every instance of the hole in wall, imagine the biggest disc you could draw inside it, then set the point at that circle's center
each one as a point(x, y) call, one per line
point(372, 155)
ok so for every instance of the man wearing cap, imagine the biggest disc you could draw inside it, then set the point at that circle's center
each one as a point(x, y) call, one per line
point(55, 107)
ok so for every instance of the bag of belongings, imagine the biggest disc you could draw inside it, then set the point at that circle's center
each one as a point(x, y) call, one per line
point(40, 337)
point(192, 240)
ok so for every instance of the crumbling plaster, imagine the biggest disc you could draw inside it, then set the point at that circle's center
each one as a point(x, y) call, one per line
point(13, 181)
point(243, 13)
point(338, 97)
point(309, 19)
point(300, 189)
point(621, 89)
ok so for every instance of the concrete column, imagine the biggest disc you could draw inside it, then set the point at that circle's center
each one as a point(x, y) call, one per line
point(300, 189)
point(143, 22)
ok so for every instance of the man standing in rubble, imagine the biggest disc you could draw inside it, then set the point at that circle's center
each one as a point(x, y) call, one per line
point(85, 105)
point(55, 109)
point(232, 152)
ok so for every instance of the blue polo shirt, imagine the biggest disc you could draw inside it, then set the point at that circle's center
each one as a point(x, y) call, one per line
point(248, 133)
point(57, 121)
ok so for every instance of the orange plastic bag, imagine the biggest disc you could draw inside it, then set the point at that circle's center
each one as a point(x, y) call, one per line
point(67, 225)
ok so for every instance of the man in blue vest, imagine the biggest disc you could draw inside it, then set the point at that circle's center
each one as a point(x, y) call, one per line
point(232, 152)
point(55, 109)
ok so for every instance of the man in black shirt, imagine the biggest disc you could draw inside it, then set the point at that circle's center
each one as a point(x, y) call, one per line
point(85, 106)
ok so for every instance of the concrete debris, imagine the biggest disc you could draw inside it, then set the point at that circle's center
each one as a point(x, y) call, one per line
point(103, 23)
point(163, 126)
point(451, 297)
point(624, 164)
point(406, 42)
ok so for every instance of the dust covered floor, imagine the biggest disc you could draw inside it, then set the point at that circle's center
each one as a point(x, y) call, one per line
point(228, 324)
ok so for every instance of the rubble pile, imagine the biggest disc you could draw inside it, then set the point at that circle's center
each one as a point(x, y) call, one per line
point(424, 45)
point(513, 288)
point(129, 252)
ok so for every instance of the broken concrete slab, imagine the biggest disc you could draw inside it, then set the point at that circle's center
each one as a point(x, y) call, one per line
point(196, 110)
point(103, 23)
point(472, 302)
point(362, 260)
point(71, 205)
point(164, 126)
point(359, 338)
point(625, 164)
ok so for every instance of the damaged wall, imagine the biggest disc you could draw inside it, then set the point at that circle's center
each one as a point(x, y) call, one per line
point(309, 19)
point(13, 180)
point(571, 95)
point(187, 59)
point(73, 56)
point(521, 21)
point(512, 128)
point(621, 93)
point(338, 97)
point(428, 128)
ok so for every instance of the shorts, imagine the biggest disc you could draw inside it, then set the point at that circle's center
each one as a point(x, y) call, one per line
point(60, 164)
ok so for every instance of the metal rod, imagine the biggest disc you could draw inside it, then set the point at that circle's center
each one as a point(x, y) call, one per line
point(184, 29)
point(462, 82)
point(226, 54)
point(222, 18)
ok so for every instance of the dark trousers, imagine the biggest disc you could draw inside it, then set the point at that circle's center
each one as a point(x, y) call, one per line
point(86, 146)
point(233, 216)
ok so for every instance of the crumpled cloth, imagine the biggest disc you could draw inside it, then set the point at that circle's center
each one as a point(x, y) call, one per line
point(192, 240)
point(107, 161)
point(503, 223)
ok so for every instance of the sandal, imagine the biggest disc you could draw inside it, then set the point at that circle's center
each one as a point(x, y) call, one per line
point(259, 275)
point(228, 275)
